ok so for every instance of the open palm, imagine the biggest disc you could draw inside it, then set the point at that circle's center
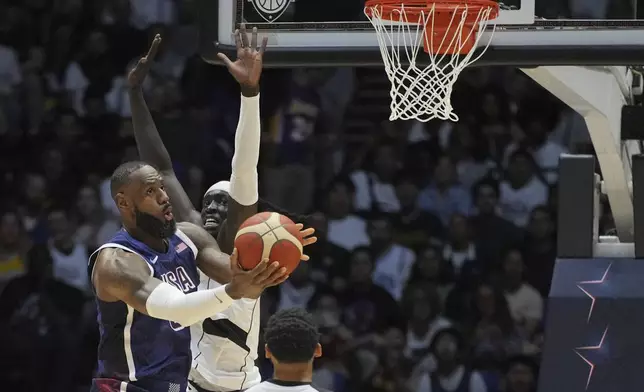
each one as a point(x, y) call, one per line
point(247, 69)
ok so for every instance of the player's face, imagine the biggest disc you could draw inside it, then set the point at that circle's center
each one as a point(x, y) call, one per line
point(149, 204)
point(214, 210)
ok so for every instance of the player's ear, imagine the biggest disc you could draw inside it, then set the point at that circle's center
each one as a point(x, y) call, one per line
point(121, 201)
point(318, 351)
point(267, 352)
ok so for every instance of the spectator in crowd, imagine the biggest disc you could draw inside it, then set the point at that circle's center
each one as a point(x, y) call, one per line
point(66, 256)
point(540, 249)
point(375, 191)
point(368, 308)
point(95, 226)
point(520, 375)
point(445, 196)
point(412, 226)
point(493, 234)
point(393, 262)
point(13, 245)
point(524, 301)
point(522, 190)
point(346, 229)
point(450, 375)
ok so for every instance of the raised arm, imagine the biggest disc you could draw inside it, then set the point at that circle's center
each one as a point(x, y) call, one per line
point(148, 140)
point(243, 194)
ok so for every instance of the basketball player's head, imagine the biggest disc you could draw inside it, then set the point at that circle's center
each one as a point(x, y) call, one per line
point(138, 191)
point(292, 339)
point(214, 207)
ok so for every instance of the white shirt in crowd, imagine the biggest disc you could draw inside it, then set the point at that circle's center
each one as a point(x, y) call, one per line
point(525, 304)
point(71, 268)
point(282, 386)
point(348, 233)
point(546, 157)
point(451, 383)
point(393, 268)
point(294, 297)
point(415, 342)
point(369, 187)
point(517, 204)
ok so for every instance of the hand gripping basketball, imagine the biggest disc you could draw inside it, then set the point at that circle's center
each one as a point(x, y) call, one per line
point(247, 69)
point(251, 284)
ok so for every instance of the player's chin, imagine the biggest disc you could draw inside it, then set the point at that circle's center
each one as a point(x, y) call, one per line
point(212, 229)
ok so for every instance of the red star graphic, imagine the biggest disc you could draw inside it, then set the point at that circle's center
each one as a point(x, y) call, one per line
point(590, 364)
point(592, 298)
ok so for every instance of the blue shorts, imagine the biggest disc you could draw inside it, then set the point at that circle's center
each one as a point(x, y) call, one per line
point(113, 385)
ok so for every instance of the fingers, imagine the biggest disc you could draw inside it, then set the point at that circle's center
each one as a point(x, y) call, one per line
point(243, 35)
point(308, 232)
point(154, 48)
point(277, 277)
point(262, 275)
point(305, 257)
point(278, 280)
point(253, 38)
point(309, 241)
point(225, 59)
point(263, 47)
point(234, 262)
point(238, 41)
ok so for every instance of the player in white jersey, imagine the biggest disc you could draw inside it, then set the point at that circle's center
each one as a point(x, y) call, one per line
point(292, 344)
point(224, 346)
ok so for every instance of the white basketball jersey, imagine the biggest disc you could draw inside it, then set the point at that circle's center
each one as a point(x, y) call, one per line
point(224, 347)
point(285, 386)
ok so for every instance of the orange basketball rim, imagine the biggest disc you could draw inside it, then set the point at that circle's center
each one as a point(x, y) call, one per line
point(450, 25)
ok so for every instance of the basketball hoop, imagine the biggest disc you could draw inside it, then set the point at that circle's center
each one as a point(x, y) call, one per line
point(449, 32)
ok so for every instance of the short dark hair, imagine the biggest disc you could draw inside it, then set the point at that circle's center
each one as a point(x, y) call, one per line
point(121, 175)
point(292, 336)
point(485, 182)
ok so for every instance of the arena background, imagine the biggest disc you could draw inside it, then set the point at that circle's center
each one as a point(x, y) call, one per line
point(465, 210)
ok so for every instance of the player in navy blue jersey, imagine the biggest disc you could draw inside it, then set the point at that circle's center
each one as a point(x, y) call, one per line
point(146, 279)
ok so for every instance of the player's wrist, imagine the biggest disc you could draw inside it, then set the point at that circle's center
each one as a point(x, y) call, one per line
point(249, 91)
point(233, 291)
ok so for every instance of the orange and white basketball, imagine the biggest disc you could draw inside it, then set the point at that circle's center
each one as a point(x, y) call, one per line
point(269, 235)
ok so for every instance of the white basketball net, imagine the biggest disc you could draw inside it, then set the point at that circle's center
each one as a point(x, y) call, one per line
point(424, 92)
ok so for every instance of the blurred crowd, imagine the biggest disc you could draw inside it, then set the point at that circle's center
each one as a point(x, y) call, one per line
point(436, 241)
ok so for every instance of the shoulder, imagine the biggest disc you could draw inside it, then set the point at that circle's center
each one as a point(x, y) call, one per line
point(197, 235)
point(118, 261)
point(116, 268)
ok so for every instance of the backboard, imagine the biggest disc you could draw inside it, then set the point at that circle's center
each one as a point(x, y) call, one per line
point(336, 32)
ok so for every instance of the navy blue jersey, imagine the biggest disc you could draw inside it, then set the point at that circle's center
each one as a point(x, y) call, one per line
point(140, 352)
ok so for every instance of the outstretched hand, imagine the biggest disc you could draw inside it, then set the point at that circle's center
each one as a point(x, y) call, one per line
point(307, 238)
point(247, 69)
point(137, 75)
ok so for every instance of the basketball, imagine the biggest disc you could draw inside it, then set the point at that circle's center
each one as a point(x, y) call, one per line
point(269, 235)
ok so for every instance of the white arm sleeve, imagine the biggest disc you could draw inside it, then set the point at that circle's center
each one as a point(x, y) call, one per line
point(166, 302)
point(243, 180)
